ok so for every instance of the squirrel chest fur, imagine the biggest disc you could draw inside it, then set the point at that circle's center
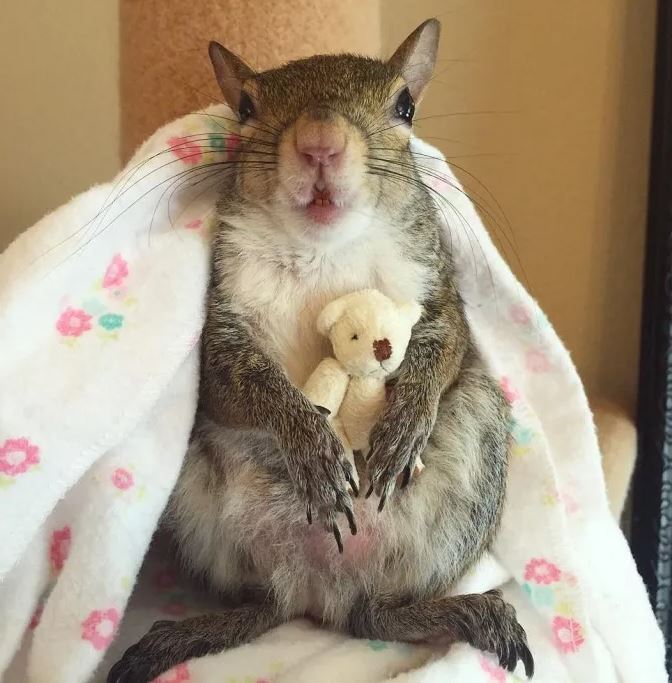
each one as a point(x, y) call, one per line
point(285, 291)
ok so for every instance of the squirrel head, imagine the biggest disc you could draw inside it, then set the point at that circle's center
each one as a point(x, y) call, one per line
point(325, 140)
point(369, 332)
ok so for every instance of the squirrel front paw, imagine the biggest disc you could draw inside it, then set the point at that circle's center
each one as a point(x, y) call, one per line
point(321, 471)
point(397, 442)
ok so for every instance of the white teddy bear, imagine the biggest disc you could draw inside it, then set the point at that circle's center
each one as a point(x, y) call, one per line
point(369, 333)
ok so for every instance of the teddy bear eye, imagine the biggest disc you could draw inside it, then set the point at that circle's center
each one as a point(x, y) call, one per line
point(354, 337)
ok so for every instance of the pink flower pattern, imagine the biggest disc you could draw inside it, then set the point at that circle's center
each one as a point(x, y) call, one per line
point(59, 548)
point(177, 674)
point(183, 148)
point(122, 479)
point(18, 456)
point(510, 392)
point(100, 627)
point(567, 634)
point(537, 361)
point(519, 314)
point(232, 144)
point(541, 571)
point(496, 673)
point(440, 184)
point(571, 506)
point(570, 579)
point(73, 322)
point(36, 618)
point(116, 272)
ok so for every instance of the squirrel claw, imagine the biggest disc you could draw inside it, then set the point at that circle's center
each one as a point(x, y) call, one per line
point(353, 485)
point(337, 536)
point(351, 521)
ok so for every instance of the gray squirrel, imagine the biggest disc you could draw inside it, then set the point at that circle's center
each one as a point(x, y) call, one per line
point(324, 199)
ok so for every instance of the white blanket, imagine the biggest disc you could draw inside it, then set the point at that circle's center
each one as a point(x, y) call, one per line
point(101, 305)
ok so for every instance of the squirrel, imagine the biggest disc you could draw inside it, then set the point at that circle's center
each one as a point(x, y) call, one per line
point(324, 199)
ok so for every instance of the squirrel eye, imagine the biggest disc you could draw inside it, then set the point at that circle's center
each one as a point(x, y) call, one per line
point(354, 337)
point(245, 107)
point(405, 107)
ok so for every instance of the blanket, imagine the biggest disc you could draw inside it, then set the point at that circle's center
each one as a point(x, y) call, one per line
point(101, 307)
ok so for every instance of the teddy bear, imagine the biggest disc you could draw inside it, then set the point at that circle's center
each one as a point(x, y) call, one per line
point(369, 333)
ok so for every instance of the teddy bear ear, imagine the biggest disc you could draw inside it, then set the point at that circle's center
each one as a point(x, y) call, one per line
point(412, 311)
point(330, 315)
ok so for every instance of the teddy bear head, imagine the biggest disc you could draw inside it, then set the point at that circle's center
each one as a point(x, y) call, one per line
point(369, 332)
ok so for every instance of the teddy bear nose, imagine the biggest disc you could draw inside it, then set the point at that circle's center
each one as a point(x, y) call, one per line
point(382, 349)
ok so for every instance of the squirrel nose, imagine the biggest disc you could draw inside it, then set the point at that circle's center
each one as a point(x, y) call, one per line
point(382, 349)
point(320, 142)
point(327, 155)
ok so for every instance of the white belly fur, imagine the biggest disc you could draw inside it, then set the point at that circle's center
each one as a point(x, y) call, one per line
point(286, 291)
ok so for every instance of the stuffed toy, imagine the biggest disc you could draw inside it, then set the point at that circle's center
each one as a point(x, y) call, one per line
point(369, 333)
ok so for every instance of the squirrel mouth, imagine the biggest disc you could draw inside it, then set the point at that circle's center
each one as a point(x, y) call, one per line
point(321, 194)
point(321, 198)
point(323, 208)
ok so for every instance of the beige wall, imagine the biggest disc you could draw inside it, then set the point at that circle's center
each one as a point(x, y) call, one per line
point(59, 113)
point(568, 164)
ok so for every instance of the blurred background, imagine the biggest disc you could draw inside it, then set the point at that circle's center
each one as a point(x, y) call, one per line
point(547, 104)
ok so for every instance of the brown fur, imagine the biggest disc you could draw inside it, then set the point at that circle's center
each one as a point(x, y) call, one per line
point(263, 459)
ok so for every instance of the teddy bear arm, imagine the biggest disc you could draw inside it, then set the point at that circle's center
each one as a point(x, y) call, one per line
point(327, 385)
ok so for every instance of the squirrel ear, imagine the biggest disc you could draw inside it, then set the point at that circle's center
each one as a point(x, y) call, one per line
point(330, 315)
point(230, 71)
point(415, 58)
point(411, 310)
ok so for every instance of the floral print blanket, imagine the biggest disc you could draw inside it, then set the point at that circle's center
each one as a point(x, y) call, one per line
point(100, 315)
